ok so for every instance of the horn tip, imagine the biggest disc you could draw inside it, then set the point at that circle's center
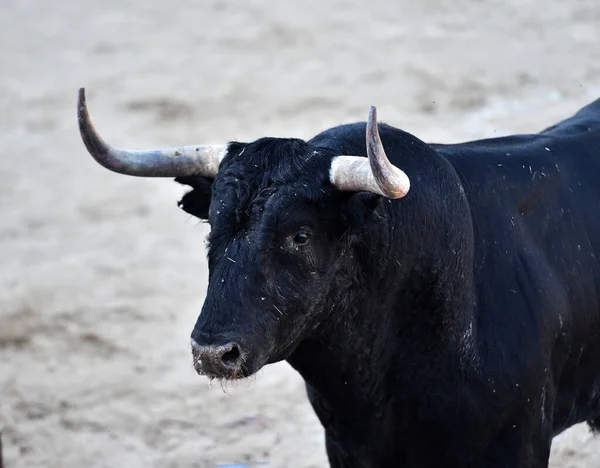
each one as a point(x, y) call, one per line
point(372, 121)
point(81, 105)
point(372, 130)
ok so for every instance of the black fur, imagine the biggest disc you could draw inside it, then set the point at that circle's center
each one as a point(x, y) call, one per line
point(457, 327)
point(197, 201)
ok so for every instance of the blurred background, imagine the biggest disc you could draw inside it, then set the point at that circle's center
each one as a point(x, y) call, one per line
point(102, 276)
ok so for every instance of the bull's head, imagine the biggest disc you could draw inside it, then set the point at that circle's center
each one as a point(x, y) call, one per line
point(281, 212)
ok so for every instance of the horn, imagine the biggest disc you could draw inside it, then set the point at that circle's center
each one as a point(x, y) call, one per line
point(173, 162)
point(375, 174)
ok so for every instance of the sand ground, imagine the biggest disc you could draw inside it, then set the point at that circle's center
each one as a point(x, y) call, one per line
point(102, 276)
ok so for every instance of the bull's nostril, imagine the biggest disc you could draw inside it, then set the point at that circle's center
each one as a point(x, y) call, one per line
point(231, 357)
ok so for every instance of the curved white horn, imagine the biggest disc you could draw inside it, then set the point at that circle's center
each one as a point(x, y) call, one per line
point(375, 174)
point(172, 162)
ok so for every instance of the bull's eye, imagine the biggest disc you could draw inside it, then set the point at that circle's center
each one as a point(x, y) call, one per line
point(301, 238)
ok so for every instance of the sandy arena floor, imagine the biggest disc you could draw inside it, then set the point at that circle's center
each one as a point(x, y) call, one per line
point(102, 276)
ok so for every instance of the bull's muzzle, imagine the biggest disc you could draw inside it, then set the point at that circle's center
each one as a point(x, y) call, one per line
point(219, 361)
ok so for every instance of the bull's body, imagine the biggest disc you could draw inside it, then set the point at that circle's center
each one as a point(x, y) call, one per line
point(501, 351)
point(458, 326)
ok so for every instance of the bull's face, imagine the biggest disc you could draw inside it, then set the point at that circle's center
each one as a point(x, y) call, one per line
point(280, 213)
point(278, 228)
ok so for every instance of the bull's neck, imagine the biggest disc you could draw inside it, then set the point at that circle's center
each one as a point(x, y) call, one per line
point(407, 309)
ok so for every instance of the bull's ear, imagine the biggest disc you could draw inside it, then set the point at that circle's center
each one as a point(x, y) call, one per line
point(197, 201)
point(360, 209)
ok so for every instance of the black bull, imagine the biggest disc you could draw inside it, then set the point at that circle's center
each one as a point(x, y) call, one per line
point(458, 326)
